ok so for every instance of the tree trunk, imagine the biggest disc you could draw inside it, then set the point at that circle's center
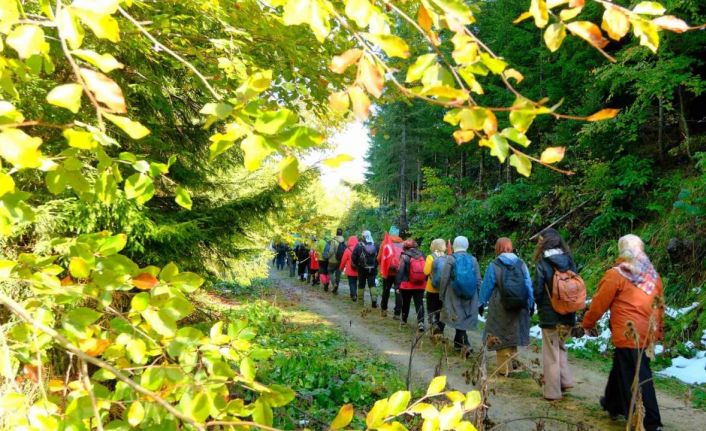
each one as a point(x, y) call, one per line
point(660, 127)
point(683, 125)
point(463, 164)
point(508, 172)
point(480, 170)
point(419, 179)
point(403, 178)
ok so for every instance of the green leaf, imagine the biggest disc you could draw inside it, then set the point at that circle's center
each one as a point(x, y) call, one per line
point(437, 385)
point(516, 136)
point(160, 321)
point(262, 413)
point(457, 8)
point(256, 149)
point(105, 62)
point(66, 96)
point(273, 122)
point(247, 369)
point(218, 148)
point(522, 164)
point(279, 396)
point(288, 173)
point(183, 199)
point(55, 181)
point(140, 302)
point(343, 418)
point(79, 268)
point(113, 244)
point(522, 115)
point(136, 413)
point(133, 128)
point(498, 145)
point(20, 149)
point(139, 187)
point(495, 65)
point(421, 64)
point(398, 402)
point(137, 351)
point(394, 46)
point(27, 40)
point(103, 26)
point(186, 281)
point(361, 11)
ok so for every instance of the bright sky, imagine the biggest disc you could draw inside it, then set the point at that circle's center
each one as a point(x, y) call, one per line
point(352, 140)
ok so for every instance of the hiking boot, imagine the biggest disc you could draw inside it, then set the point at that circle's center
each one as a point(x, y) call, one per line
point(383, 313)
point(420, 327)
point(335, 289)
point(325, 287)
point(613, 417)
point(375, 304)
point(354, 298)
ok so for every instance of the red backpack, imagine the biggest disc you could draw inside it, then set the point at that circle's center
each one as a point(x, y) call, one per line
point(395, 258)
point(416, 270)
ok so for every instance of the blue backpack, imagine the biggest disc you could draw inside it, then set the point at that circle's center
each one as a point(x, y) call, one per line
point(464, 282)
point(437, 267)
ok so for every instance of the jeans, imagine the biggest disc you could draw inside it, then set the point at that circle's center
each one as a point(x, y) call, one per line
point(408, 295)
point(388, 284)
point(367, 276)
point(353, 286)
point(280, 262)
point(434, 310)
point(335, 274)
point(461, 339)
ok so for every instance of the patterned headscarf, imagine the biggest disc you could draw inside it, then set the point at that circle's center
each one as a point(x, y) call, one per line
point(635, 265)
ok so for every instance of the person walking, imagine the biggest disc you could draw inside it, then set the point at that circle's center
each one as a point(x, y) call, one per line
point(349, 268)
point(323, 261)
point(389, 260)
point(280, 256)
point(302, 253)
point(507, 291)
point(365, 259)
point(291, 261)
point(313, 263)
point(411, 280)
point(336, 248)
point(632, 291)
point(552, 255)
point(433, 268)
point(460, 281)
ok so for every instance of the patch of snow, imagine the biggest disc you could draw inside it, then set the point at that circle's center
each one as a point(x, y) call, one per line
point(691, 371)
point(601, 341)
point(659, 349)
point(690, 344)
point(481, 318)
point(696, 290)
point(703, 338)
point(536, 332)
point(675, 313)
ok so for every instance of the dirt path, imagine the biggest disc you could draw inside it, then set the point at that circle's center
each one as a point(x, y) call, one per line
point(510, 399)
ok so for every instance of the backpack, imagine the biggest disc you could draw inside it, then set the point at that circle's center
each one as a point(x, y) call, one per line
point(568, 292)
point(340, 250)
point(464, 282)
point(367, 258)
point(395, 257)
point(416, 270)
point(437, 267)
point(511, 285)
point(327, 252)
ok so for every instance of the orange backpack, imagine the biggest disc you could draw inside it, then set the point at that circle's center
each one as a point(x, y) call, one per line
point(568, 292)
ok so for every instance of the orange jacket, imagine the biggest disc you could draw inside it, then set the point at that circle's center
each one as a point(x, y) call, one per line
point(346, 263)
point(627, 303)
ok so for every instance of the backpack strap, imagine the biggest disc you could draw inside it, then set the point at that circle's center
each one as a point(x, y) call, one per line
point(498, 274)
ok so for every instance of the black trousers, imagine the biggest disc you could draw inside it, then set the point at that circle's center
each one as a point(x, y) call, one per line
point(388, 284)
point(461, 339)
point(353, 286)
point(367, 276)
point(416, 295)
point(301, 270)
point(335, 274)
point(618, 390)
point(434, 310)
point(323, 267)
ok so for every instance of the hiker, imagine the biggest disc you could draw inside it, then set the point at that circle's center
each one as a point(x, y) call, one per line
point(349, 268)
point(291, 261)
point(632, 291)
point(433, 268)
point(323, 261)
point(281, 254)
point(507, 291)
point(365, 259)
point(302, 253)
point(460, 281)
point(334, 252)
point(313, 263)
point(552, 255)
point(389, 260)
point(411, 281)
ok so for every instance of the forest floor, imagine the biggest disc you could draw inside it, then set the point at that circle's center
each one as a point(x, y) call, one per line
point(516, 401)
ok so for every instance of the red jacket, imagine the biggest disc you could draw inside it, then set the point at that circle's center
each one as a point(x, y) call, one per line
point(346, 262)
point(313, 260)
point(627, 303)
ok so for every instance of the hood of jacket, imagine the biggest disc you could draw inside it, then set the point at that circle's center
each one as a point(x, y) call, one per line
point(413, 252)
point(508, 258)
point(339, 239)
point(558, 259)
point(352, 241)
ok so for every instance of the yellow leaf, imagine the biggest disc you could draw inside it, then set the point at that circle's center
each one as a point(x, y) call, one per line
point(398, 402)
point(420, 65)
point(105, 62)
point(20, 149)
point(134, 129)
point(377, 414)
point(437, 385)
point(446, 92)
point(338, 101)
point(423, 18)
point(311, 12)
point(554, 35)
point(540, 13)
point(337, 161)
point(521, 163)
point(589, 32)
point(394, 46)
point(466, 51)
point(649, 8)
point(456, 396)
point(27, 40)
point(553, 155)
point(427, 411)
point(136, 413)
point(498, 145)
point(569, 14)
point(288, 173)
point(370, 76)
point(80, 139)
point(465, 426)
point(615, 23)
point(105, 90)
point(473, 400)
point(463, 136)
point(360, 102)
point(450, 416)
point(66, 96)
point(7, 184)
point(69, 28)
point(103, 26)
point(102, 7)
point(343, 418)
point(256, 149)
point(523, 16)
point(361, 11)
point(671, 23)
point(514, 74)
point(551, 4)
point(340, 63)
point(603, 114)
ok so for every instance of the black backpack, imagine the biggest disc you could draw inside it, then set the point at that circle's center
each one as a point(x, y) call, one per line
point(341, 249)
point(511, 285)
point(367, 259)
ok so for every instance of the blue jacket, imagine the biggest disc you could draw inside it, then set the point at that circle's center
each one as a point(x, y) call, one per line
point(486, 289)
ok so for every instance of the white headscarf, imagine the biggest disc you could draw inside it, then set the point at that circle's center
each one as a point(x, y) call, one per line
point(368, 237)
point(460, 243)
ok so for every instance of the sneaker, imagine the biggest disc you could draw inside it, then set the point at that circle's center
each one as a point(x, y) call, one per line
point(375, 304)
point(420, 327)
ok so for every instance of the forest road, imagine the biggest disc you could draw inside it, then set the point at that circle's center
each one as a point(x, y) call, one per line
point(515, 402)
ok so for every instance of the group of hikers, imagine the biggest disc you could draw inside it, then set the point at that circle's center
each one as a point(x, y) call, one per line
point(457, 293)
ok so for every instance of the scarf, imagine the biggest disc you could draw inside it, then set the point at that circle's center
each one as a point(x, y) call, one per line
point(641, 273)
